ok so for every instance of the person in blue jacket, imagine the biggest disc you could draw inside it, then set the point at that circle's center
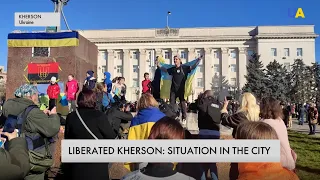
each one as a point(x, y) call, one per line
point(107, 81)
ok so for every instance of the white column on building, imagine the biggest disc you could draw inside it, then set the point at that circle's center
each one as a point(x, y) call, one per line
point(158, 52)
point(224, 61)
point(110, 62)
point(191, 54)
point(191, 57)
point(127, 66)
point(174, 52)
point(142, 65)
point(207, 64)
point(242, 67)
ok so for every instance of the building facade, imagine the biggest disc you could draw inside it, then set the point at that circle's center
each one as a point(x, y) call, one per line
point(226, 50)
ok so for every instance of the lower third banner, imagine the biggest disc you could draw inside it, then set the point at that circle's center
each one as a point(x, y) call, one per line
point(41, 73)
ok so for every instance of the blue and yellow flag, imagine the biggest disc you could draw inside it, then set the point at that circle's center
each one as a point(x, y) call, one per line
point(166, 79)
point(59, 39)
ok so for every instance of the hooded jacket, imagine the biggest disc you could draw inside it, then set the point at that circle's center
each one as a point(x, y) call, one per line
point(108, 81)
point(264, 171)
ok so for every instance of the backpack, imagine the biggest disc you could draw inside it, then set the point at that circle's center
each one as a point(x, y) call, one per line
point(39, 162)
point(168, 109)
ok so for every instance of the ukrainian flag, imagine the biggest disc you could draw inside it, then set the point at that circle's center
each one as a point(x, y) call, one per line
point(60, 39)
point(166, 79)
point(141, 125)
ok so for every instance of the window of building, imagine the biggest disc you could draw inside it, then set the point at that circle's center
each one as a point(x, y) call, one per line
point(41, 51)
point(134, 55)
point(250, 52)
point(103, 55)
point(233, 67)
point(216, 68)
point(1, 70)
point(233, 53)
point(198, 53)
point(273, 52)
point(200, 68)
point(135, 68)
point(119, 55)
point(149, 55)
point(1, 77)
point(287, 66)
point(183, 55)
point(286, 52)
point(103, 69)
point(233, 81)
point(135, 82)
point(200, 82)
point(119, 69)
point(166, 55)
point(299, 52)
point(216, 54)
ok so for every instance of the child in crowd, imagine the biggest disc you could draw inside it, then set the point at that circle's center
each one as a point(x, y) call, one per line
point(107, 81)
point(53, 92)
point(72, 89)
point(264, 170)
point(90, 81)
point(107, 99)
point(119, 90)
point(146, 84)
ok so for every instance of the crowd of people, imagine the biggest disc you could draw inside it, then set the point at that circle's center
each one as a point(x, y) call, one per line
point(100, 111)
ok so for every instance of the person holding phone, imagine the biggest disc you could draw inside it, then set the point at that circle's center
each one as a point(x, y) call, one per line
point(14, 163)
point(179, 75)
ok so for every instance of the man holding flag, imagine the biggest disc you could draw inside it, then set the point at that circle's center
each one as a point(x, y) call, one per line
point(179, 73)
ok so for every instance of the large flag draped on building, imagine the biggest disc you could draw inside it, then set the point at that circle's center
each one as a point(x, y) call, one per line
point(60, 39)
point(166, 79)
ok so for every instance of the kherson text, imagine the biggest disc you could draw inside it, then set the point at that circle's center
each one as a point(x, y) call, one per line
point(174, 150)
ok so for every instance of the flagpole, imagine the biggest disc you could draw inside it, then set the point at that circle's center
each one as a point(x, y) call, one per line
point(168, 13)
point(167, 20)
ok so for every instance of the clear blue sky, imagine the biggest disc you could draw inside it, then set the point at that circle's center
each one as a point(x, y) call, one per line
point(116, 14)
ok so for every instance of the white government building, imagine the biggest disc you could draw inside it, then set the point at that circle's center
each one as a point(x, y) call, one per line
point(131, 52)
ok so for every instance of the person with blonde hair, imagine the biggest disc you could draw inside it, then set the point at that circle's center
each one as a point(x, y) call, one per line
point(148, 114)
point(249, 111)
point(264, 170)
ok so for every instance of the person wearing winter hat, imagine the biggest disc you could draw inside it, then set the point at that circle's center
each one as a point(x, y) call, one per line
point(107, 81)
point(90, 81)
point(53, 92)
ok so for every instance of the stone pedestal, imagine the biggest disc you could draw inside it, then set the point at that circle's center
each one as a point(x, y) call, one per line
point(72, 60)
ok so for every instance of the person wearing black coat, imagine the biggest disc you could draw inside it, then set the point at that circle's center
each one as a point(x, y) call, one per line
point(209, 125)
point(119, 116)
point(156, 82)
point(99, 125)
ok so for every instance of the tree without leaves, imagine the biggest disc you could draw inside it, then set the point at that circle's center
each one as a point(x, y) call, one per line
point(256, 78)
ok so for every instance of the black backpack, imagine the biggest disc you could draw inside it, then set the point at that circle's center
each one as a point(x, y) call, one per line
point(168, 109)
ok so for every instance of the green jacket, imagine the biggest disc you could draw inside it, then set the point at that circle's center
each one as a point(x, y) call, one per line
point(14, 163)
point(37, 122)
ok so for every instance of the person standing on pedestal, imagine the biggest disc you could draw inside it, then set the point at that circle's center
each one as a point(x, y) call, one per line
point(179, 75)
point(156, 82)
point(53, 92)
point(72, 89)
